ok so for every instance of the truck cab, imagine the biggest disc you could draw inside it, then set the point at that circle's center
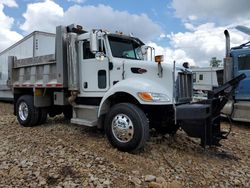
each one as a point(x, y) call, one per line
point(236, 62)
point(241, 61)
point(116, 67)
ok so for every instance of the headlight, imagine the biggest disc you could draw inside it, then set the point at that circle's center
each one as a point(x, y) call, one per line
point(153, 97)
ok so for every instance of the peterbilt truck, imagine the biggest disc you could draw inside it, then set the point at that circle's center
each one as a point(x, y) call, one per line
point(113, 82)
point(236, 62)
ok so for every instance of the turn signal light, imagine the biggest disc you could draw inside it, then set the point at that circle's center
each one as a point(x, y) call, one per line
point(159, 58)
point(145, 96)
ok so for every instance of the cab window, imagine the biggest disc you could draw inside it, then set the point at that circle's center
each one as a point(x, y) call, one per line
point(194, 77)
point(125, 48)
point(201, 77)
point(87, 54)
point(244, 62)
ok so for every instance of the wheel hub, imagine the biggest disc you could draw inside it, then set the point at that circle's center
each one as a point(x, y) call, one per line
point(122, 128)
point(23, 111)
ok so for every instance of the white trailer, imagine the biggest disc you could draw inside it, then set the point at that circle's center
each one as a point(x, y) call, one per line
point(207, 78)
point(35, 44)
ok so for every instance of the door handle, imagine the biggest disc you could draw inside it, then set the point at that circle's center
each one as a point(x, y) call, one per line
point(85, 85)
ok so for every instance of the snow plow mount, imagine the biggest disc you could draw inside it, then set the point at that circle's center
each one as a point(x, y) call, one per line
point(202, 119)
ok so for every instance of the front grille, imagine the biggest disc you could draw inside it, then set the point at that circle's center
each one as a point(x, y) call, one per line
point(184, 87)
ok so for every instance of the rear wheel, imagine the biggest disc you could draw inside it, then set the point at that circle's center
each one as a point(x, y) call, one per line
point(27, 113)
point(127, 127)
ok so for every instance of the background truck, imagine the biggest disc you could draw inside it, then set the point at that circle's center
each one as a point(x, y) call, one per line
point(108, 80)
point(236, 62)
point(35, 44)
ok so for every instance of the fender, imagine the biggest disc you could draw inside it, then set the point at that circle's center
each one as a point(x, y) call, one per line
point(132, 86)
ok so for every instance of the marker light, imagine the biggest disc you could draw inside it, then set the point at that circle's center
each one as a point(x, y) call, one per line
point(159, 58)
point(145, 96)
point(153, 97)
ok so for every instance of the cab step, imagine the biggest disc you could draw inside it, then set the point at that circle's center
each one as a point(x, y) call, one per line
point(83, 122)
point(85, 115)
point(241, 111)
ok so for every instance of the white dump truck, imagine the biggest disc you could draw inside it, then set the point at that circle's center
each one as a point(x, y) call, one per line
point(109, 80)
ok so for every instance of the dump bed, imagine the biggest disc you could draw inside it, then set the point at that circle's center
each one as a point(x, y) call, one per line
point(47, 71)
point(34, 72)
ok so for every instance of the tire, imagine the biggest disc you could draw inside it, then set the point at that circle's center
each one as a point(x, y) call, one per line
point(131, 119)
point(68, 112)
point(43, 114)
point(27, 114)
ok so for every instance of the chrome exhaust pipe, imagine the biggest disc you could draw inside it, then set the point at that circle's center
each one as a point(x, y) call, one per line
point(228, 61)
point(226, 33)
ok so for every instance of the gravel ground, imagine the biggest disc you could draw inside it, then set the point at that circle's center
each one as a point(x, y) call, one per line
point(59, 154)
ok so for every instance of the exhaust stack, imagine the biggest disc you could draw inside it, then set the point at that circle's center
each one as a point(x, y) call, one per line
point(227, 36)
point(228, 62)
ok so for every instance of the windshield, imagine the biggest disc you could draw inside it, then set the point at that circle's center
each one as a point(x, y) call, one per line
point(125, 48)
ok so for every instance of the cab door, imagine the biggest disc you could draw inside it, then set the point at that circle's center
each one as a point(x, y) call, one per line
point(242, 65)
point(94, 73)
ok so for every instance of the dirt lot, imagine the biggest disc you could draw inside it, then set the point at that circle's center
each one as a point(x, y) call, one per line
point(59, 154)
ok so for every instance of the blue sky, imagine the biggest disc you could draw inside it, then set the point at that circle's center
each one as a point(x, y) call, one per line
point(158, 10)
point(190, 30)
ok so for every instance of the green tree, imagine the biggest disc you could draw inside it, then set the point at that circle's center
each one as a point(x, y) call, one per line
point(214, 62)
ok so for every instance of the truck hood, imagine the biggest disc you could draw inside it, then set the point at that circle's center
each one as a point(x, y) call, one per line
point(145, 75)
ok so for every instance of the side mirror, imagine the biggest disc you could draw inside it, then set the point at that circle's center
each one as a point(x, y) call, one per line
point(100, 56)
point(144, 50)
point(148, 53)
point(94, 44)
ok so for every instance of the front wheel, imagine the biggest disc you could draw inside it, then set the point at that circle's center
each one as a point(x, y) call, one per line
point(127, 127)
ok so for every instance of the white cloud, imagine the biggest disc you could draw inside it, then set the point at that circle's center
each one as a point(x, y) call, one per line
point(221, 10)
point(6, 21)
point(89, 17)
point(162, 35)
point(189, 26)
point(7, 36)
point(192, 17)
point(102, 16)
point(43, 16)
point(204, 40)
point(200, 44)
point(171, 55)
point(9, 3)
point(77, 1)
